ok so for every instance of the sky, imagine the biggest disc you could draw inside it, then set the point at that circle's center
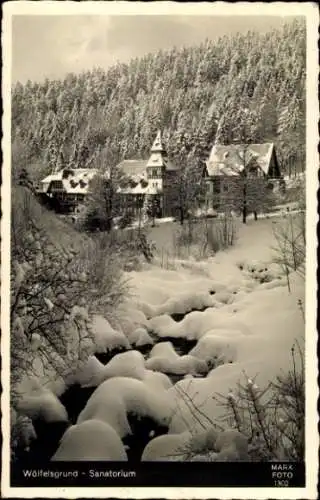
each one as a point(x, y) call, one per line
point(53, 45)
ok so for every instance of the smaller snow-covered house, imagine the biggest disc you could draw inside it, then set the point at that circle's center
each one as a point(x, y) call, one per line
point(66, 188)
point(228, 164)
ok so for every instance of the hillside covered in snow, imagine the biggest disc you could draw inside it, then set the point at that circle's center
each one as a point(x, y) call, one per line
point(158, 378)
point(190, 93)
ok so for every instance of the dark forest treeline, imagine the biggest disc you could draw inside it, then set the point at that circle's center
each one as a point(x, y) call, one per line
point(256, 81)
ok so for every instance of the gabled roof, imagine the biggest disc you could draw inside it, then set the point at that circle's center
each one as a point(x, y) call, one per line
point(133, 168)
point(230, 160)
point(74, 181)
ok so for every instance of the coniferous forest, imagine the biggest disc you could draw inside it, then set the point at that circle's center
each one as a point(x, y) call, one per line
point(196, 95)
point(139, 335)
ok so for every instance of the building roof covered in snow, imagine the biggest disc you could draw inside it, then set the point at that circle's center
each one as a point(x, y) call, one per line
point(72, 181)
point(134, 168)
point(230, 160)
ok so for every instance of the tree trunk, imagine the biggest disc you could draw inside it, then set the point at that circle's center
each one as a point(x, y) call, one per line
point(244, 215)
point(255, 216)
point(181, 216)
point(244, 210)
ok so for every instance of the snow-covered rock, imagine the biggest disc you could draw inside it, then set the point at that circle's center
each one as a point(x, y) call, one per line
point(130, 318)
point(90, 374)
point(204, 446)
point(186, 302)
point(181, 365)
point(128, 364)
point(114, 399)
point(37, 402)
point(169, 447)
point(215, 349)
point(140, 337)
point(232, 438)
point(90, 440)
point(157, 379)
point(163, 358)
point(163, 350)
point(105, 337)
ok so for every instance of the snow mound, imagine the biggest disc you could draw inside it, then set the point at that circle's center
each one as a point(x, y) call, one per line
point(163, 358)
point(186, 302)
point(164, 350)
point(232, 438)
point(90, 440)
point(114, 399)
point(130, 318)
point(225, 446)
point(140, 337)
point(215, 349)
point(128, 364)
point(90, 374)
point(196, 324)
point(38, 402)
point(204, 441)
point(224, 297)
point(105, 337)
point(169, 447)
point(182, 365)
point(260, 271)
point(157, 379)
point(209, 445)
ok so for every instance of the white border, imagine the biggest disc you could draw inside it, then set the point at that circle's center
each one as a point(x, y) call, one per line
point(310, 11)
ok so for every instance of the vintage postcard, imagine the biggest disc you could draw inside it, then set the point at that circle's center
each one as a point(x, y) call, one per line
point(159, 201)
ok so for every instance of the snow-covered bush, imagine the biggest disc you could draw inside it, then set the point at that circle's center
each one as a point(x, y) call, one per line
point(132, 246)
point(207, 446)
point(57, 281)
point(202, 239)
point(272, 418)
point(22, 434)
point(290, 252)
point(46, 287)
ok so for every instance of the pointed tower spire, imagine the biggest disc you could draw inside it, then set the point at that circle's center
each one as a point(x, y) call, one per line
point(157, 146)
point(158, 156)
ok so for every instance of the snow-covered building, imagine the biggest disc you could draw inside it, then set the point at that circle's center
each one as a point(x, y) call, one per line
point(67, 187)
point(150, 180)
point(227, 164)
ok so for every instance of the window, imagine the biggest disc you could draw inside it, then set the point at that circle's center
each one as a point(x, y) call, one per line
point(56, 186)
point(216, 186)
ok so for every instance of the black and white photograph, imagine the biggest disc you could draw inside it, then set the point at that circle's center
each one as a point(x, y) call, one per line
point(159, 205)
